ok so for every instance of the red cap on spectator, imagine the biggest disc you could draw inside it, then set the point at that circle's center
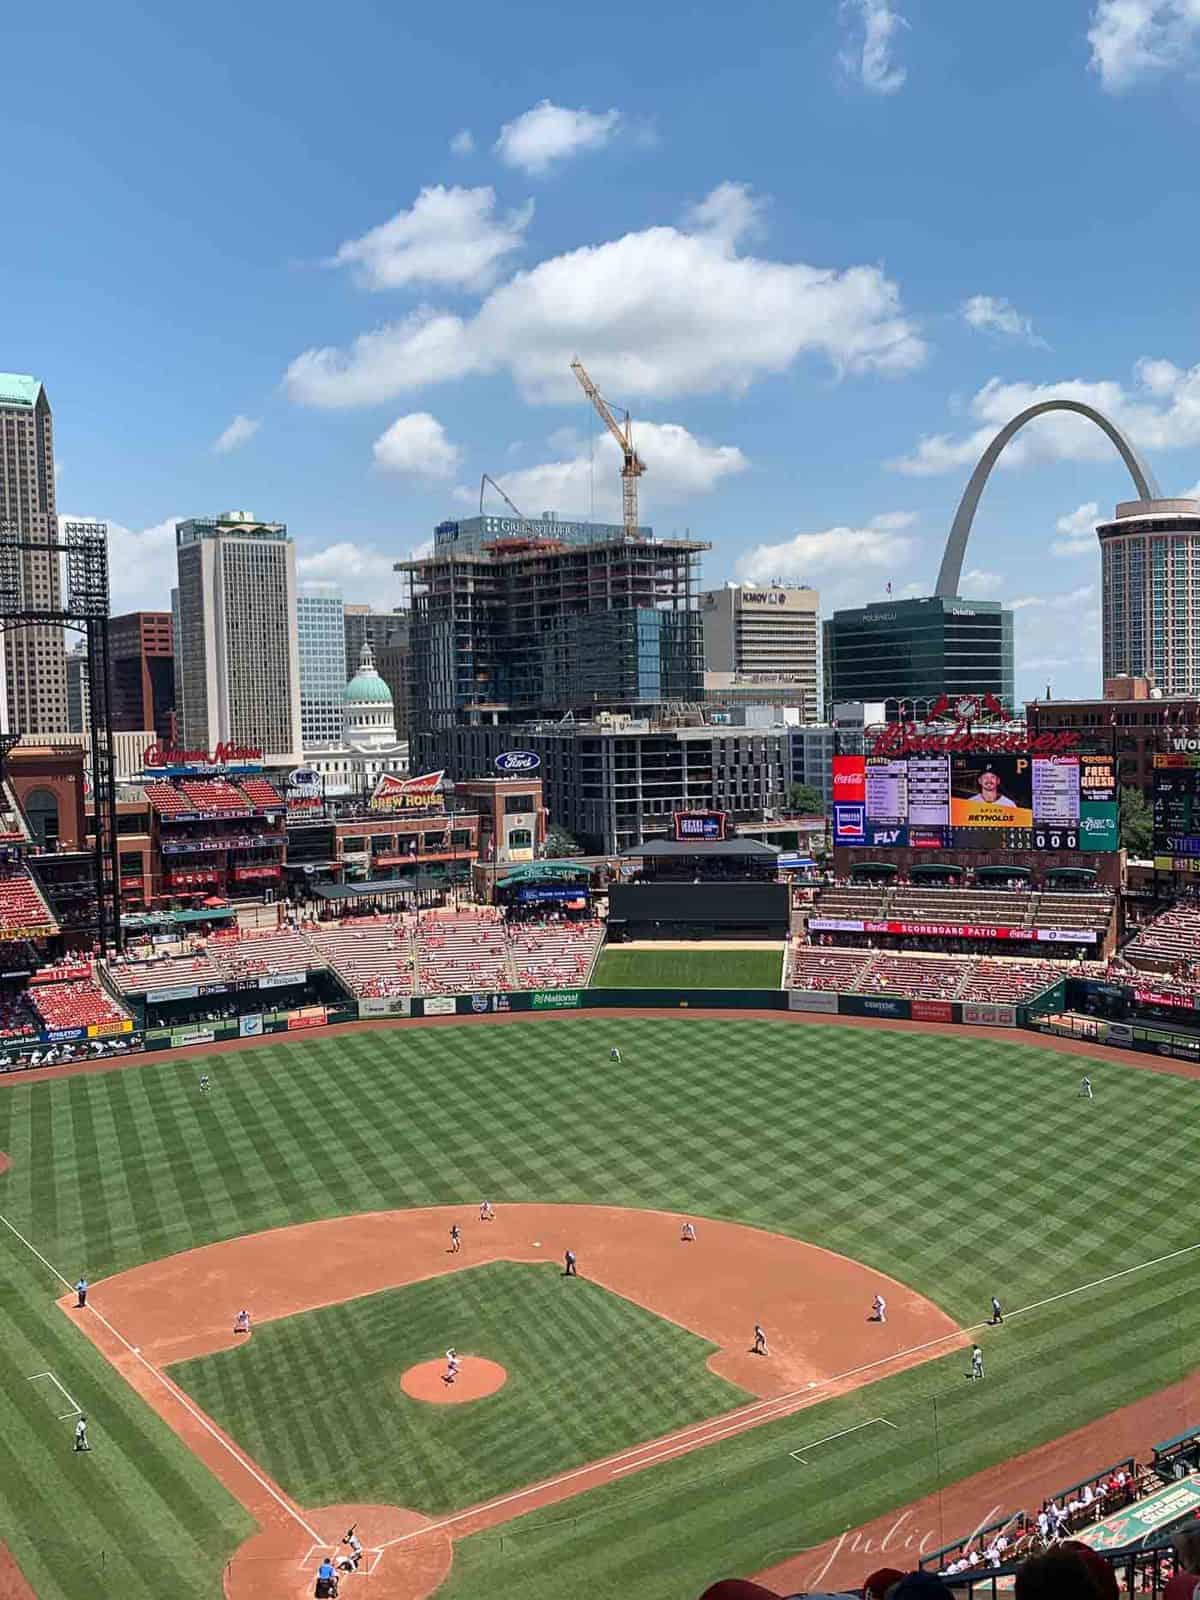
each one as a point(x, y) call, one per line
point(878, 1584)
point(738, 1589)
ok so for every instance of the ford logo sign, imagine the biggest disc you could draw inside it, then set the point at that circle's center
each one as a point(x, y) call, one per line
point(518, 761)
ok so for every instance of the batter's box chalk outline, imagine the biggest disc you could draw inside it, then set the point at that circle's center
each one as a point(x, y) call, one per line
point(75, 1411)
point(374, 1551)
point(799, 1455)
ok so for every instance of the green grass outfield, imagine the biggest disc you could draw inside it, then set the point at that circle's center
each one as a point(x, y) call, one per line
point(588, 1374)
point(688, 969)
point(962, 1166)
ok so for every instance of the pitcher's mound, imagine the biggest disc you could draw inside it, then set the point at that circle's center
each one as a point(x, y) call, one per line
point(476, 1378)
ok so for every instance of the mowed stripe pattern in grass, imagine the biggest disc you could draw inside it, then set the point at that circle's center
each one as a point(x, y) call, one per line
point(961, 1166)
point(688, 969)
point(316, 1398)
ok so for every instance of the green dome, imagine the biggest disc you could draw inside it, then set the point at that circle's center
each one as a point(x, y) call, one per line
point(366, 688)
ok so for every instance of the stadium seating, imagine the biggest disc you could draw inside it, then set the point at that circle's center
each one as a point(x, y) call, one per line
point(1172, 938)
point(810, 967)
point(918, 976)
point(462, 954)
point(1007, 980)
point(555, 955)
point(18, 1019)
point(373, 956)
point(171, 972)
point(212, 794)
point(921, 977)
point(167, 799)
point(259, 952)
point(261, 794)
point(76, 1004)
point(21, 903)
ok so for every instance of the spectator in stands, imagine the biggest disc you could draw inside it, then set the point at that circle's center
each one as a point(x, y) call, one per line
point(1186, 1543)
point(878, 1583)
point(1071, 1572)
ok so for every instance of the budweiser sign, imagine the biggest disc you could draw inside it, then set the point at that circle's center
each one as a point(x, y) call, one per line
point(408, 794)
point(169, 755)
point(907, 739)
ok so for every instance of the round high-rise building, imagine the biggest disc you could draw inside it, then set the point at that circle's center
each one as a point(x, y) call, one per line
point(1150, 561)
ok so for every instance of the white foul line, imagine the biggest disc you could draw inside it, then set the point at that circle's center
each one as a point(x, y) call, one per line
point(175, 1392)
point(771, 1410)
point(76, 1411)
point(798, 1455)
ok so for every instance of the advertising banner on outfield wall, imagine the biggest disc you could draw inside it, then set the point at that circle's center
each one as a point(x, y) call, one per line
point(182, 1036)
point(439, 1005)
point(986, 1014)
point(391, 1005)
point(282, 980)
point(158, 997)
point(250, 1027)
point(306, 1017)
point(869, 1005)
point(557, 1000)
point(932, 1011)
point(812, 1000)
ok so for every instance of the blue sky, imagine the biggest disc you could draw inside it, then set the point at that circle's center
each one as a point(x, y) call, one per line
point(331, 266)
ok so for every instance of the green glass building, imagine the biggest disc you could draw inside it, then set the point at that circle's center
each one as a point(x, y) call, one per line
point(916, 650)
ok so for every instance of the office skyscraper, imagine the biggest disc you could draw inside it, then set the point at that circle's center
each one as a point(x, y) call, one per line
point(142, 653)
point(237, 643)
point(322, 640)
point(1150, 560)
point(34, 658)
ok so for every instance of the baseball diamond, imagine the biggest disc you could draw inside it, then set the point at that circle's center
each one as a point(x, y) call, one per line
point(635, 1439)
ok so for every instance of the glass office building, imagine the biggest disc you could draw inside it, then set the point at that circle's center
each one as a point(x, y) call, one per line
point(322, 643)
point(917, 650)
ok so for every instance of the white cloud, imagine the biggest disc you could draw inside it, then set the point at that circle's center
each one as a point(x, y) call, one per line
point(1077, 530)
point(849, 565)
point(416, 446)
point(361, 572)
point(141, 564)
point(1160, 411)
point(871, 29)
point(1058, 636)
point(678, 467)
point(547, 134)
point(463, 142)
point(992, 315)
point(239, 431)
point(656, 313)
point(1134, 39)
point(451, 236)
point(729, 213)
point(1191, 494)
point(980, 584)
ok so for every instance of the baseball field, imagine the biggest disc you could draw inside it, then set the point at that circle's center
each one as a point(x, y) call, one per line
point(633, 1445)
point(734, 967)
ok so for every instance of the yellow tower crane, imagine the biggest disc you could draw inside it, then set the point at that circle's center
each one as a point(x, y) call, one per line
point(632, 465)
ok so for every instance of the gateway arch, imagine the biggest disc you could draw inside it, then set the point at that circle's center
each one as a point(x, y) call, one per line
point(960, 529)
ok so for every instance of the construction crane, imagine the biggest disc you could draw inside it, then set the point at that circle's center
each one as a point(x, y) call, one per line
point(632, 465)
point(483, 483)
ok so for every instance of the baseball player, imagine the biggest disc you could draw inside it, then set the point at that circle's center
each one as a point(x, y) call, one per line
point(760, 1342)
point(486, 1214)
point(241, 1323)
point(614, 1054)
point(976, 1362)
point(688, 1233)
point(81, 1289)
point(81, 1438)
point(455, 1240)
point(569, 1260)
point(1085, 1088)
point(356, 1550)
point(879, 1309)
point(451, 1366)
point(997, 1314)
point(204, 1083)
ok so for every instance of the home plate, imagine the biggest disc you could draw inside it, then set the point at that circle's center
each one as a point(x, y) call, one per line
point(537, 1244)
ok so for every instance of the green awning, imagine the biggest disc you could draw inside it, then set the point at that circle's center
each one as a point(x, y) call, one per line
point(542, 872)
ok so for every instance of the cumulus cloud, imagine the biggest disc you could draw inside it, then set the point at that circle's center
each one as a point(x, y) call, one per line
point(729, 213)
point(1159, 411)
point(679, 467)
point(454, 237)
point(141, 564)
point(1057, 637)
point(1077, 531)
point(871, 29)
point(979, 584)
point(1135, 39)
point(850, 566)
point(992, 315)
point(416, 446)
point(547, 135)
point(659, 312)
point(463, 142)
point(239, 431)
point(363, 573)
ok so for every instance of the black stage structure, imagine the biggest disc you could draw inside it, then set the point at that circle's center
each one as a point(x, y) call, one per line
point(84, 545)
point(697, 888)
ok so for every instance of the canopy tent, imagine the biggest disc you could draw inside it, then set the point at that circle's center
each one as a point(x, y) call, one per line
point(1000, 874)
point(876, 869)
point(937, 869)
point(542, 872)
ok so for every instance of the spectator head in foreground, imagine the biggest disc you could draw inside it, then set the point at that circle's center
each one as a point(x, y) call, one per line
point(1072, 1571)
point(878, 1584)
point(921, 1586)
point(1186, 1541)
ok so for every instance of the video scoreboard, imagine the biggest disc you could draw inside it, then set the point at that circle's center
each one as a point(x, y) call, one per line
point(969, 800)
point(1176, 813)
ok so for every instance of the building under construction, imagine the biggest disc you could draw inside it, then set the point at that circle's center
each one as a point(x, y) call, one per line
point(514, 620)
